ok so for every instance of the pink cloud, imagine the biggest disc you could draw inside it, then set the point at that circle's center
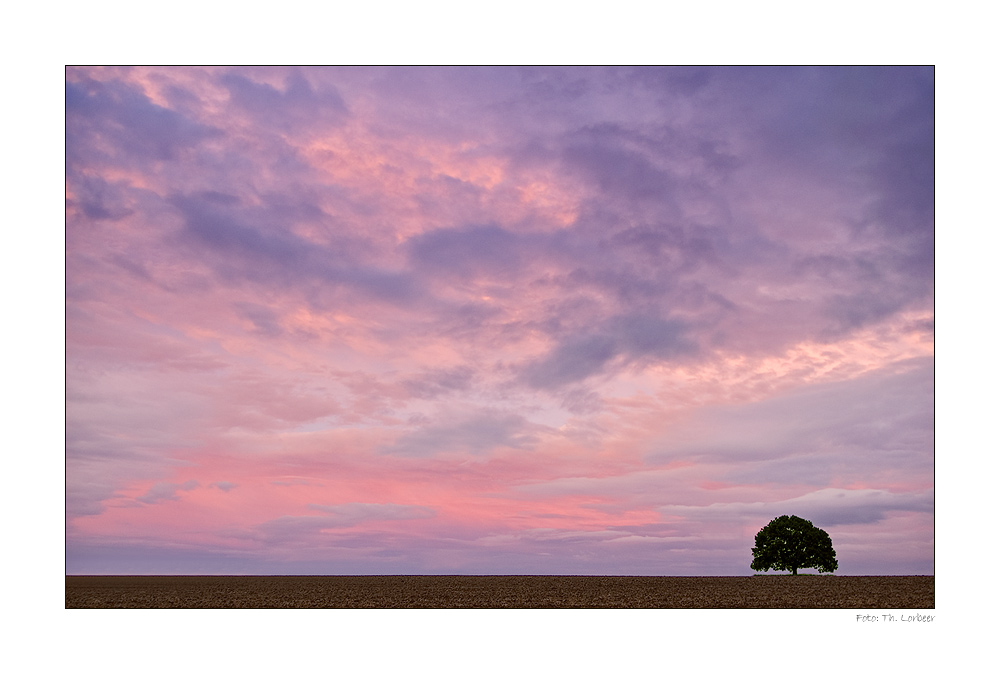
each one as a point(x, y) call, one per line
point(539, 320)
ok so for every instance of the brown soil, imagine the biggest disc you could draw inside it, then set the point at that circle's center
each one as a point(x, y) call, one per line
point(805, 591)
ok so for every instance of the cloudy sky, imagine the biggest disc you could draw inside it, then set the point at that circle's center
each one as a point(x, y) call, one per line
point(546, 321)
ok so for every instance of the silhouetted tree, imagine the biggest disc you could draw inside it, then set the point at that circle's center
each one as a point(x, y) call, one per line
point(790, 543)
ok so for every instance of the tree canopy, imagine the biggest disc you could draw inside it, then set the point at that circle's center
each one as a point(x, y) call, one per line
point(790, 543)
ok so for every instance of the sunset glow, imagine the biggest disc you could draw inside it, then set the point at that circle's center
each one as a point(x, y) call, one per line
point(497, 320)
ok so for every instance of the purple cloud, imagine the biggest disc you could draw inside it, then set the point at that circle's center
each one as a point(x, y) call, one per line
point(596, 320)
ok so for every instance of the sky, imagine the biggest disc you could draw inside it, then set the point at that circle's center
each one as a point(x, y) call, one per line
point(497, 320)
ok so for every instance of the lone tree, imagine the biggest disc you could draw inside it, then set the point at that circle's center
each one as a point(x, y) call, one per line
point(790, 543)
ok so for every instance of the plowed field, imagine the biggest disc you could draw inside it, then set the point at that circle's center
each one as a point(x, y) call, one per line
point(805, 591)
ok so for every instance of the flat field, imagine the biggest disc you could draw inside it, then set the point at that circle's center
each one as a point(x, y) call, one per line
point(775, 591)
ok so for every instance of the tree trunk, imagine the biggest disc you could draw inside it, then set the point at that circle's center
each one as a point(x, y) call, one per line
point(795, 571)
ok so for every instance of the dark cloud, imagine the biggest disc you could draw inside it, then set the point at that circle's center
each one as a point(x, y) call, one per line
point(672, 80)
point(675, 198)
point(296, 529)
point(629, 284)
point(639, 263)
point(125, 119)
point(824, 507)
point(486, 250)
point(100, 200)
point(642, 336)
point(477, 432)
point(633, 337)
point(216, 220)
point(903, 178)
point(102, 556)
point(166, 491)
point(866, 131)
point(298, 104)
point(256, 244)
point(682, 248)
point(572, 360)
point(860, 309)
point(603, 154)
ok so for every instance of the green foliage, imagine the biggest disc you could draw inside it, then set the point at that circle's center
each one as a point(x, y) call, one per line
point(790, 543)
